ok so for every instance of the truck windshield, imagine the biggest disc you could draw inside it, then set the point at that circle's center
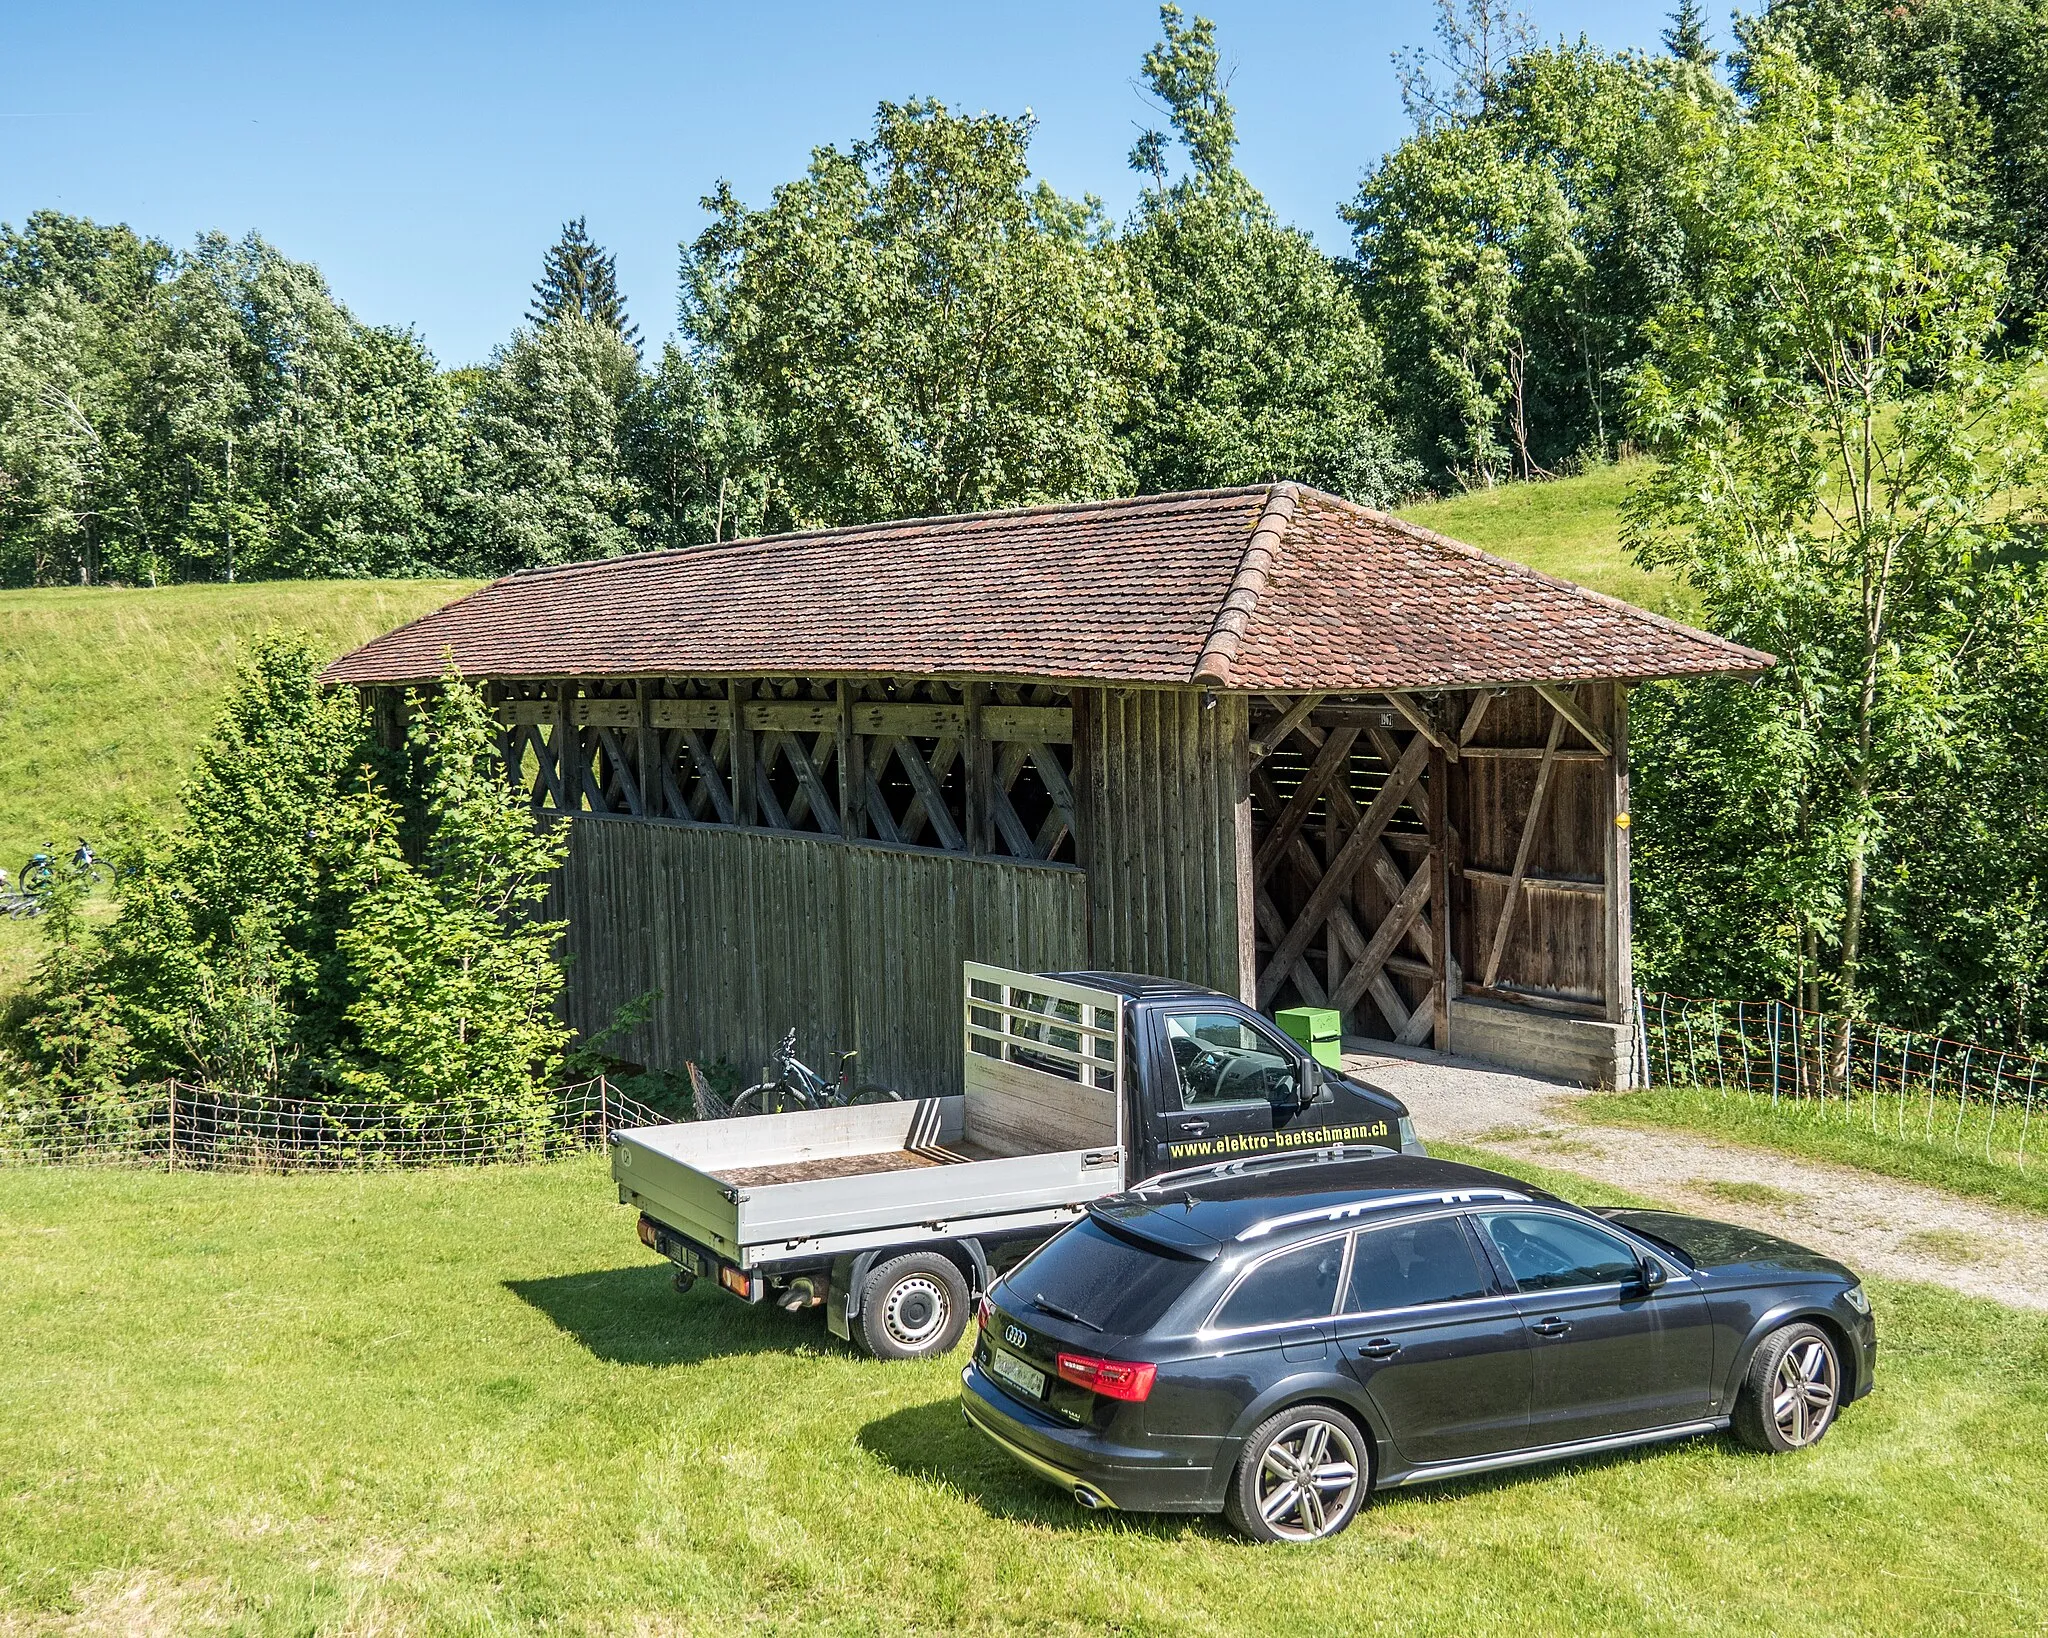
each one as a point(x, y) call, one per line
point(1102, 1279)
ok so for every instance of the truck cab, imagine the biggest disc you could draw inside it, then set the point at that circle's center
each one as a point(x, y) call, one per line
point(1212, 1080)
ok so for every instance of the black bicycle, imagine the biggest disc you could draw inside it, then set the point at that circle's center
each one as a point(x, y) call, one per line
point(789, 1083)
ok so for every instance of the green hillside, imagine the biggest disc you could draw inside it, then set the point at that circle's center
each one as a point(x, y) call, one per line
point(1570, 528)
point(105, 693)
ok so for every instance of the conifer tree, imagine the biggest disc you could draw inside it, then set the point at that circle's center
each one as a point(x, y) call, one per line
point(1686, 38)
point(579, 279)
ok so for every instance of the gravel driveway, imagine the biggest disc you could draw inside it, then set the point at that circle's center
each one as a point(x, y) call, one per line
point(1877, 1225)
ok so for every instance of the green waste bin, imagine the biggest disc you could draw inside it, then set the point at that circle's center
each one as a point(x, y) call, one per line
point(1320, 1030)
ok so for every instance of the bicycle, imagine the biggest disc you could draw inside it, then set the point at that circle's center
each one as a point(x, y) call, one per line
point(789, 1084)
point(29, 894)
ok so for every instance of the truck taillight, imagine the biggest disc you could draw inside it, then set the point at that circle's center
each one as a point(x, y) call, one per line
point(1112, 1378)
point(650, 1237)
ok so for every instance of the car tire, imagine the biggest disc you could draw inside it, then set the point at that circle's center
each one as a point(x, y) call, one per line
point(1267, 1501)
point(913, 1307)
point(1791, 1392)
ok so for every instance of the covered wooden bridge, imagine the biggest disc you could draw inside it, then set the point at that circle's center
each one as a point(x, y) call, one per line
point(1263, 739)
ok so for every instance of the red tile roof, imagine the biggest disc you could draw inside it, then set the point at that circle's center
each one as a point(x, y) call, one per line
point(1270, 587)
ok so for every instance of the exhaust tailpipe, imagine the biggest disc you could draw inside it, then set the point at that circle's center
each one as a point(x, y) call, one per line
point(1090, 1498)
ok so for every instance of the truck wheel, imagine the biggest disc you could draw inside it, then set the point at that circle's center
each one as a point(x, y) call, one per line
point(913, 1307)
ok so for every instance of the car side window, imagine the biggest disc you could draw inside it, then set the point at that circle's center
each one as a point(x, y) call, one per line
point(1546, 1253)
point(1412, 1264)
point(1296, 1285)
point(1221, 1059)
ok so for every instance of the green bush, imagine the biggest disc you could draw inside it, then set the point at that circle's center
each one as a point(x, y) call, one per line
point(330, 919)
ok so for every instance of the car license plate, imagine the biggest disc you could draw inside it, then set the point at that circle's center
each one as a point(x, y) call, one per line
point(1019, 1375)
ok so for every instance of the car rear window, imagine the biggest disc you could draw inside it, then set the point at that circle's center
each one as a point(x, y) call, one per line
point(1109, 1281)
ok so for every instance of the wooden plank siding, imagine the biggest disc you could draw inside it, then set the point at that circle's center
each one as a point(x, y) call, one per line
point(746, 934)
point(1165, 825)
point(1544, 905)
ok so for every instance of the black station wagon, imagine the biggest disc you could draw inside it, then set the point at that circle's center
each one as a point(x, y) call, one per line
point(1275, 1340)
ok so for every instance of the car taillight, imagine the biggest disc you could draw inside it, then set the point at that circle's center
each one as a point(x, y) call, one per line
point(984, 1311)
point(1112, 1378)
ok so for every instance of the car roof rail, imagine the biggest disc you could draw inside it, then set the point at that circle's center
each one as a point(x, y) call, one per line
point(1381, 1202)
point(1241, 1164)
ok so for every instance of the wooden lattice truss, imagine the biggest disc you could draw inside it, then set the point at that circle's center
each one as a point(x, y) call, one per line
point(976, 768)
point(1355, 849)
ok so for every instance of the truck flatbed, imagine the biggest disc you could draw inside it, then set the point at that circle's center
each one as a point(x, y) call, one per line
point(958, 1153)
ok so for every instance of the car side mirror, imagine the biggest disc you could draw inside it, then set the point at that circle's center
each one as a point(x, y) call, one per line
point(1650, 1274)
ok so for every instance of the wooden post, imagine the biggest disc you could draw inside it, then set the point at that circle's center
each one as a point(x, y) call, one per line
point(568, 771)
point(746, 797)
point(1237, 769)
point(648, 754)
point(1619, 975)
point(1439, 867)
point(978, 774)
point(853, 770)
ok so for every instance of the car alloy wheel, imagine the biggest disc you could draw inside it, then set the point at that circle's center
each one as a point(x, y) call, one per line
point(1808, 1385)
point(1791, 1391)
point(1303, 1477)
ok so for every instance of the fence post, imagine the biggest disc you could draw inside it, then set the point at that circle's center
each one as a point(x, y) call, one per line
point(173, 1085)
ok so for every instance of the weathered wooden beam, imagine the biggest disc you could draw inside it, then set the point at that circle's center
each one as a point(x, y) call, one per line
point(817, 798)
point(706, 716)
point(671, 788)
point(622, 782)
point(1530, 825)
point(1418, 719)
point(910, 721)
point(1529, 753)
point(1274, 925)
point(1353, 854)
point(1618, 970)
point(853, 767)
point(1270, 739)
point(1562, 702)
point(791, 716)
point(1475, 714)
point(1043, 724)
point(930, 799)
point(647, 750)
point(1438, 868)
point(709, 779)
point(1534, 880)
point(746, 787)
point(1386, 937)
point(978, 773)
point(1288, 822)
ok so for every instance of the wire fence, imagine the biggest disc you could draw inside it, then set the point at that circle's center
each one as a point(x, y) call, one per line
point(176, 1125)
point(1904, 1085)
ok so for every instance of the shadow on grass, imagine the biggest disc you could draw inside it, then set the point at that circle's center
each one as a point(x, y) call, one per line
point(634, 1316)
point(933, 1443)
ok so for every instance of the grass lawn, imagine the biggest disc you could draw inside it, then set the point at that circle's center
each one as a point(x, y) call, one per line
point(1570, 527)
point(468, 1402)
point(1821, 1131)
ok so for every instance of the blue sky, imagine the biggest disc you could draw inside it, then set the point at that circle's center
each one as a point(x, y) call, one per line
point(424, 155)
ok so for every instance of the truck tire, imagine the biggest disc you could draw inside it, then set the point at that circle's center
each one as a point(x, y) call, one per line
point(913, 1307)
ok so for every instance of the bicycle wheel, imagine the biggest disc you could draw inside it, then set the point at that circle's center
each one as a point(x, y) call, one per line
point(769, 1098)
point(874, 1092)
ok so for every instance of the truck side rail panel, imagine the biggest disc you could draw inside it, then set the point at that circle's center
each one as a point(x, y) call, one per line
point(1044, 1062)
